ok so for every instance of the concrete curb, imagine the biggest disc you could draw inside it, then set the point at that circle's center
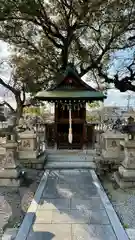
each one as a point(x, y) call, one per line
point(30, 215)
point(115, 222)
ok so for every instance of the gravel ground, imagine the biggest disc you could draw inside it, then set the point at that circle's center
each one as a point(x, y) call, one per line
point(122, 200)
point(15, 202)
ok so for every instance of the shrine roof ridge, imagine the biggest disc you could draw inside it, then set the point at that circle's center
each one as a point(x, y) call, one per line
point(70, 94)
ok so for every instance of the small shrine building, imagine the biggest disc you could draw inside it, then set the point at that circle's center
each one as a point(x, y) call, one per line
point(70, 95)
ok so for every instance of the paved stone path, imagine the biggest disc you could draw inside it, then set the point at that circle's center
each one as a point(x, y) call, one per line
point(71, 209)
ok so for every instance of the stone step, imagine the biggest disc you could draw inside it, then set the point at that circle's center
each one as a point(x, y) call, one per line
point(71, 152)
point(52, 158)
point(70, 165)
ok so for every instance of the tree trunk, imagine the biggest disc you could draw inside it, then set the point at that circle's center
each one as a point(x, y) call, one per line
point(17, 115)
point(65, 55)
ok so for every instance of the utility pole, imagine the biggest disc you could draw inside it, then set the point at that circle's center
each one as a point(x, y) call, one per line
point(128, 103)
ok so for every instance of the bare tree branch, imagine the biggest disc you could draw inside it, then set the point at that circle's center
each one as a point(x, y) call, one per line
point(7, 86)
point(9, 106)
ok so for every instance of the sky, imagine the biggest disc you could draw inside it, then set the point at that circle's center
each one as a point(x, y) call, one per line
point(114, 97)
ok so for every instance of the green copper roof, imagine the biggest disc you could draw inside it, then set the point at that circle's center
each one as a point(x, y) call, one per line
point(53, 95)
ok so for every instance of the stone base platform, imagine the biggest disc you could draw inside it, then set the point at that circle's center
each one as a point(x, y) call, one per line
point(34, 163)
point(6, 182)
point(126, 173)
point(9, 173)
point(123, 182)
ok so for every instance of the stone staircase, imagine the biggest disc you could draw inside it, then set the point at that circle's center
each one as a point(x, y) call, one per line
point(70, 159)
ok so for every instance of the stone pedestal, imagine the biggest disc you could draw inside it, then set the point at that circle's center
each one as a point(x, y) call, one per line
point(125, 176)
point(111, 154)
point(9, 169)
point(41, 141)
point(28, 151)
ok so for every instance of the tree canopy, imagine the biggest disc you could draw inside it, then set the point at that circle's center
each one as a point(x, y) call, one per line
point(47, 35)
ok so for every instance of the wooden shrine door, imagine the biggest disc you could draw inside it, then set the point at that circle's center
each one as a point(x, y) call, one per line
point(62, 136)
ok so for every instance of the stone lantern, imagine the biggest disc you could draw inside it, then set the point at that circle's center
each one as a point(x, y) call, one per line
point(10, 171)
point(125, 176)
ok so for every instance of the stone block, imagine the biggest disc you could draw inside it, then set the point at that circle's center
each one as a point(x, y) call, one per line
point(110, 139)
point(9, 173)
point(127, 173)
point(11, 145)
point(129, 162)
point(129, 144)
point(122, 183)
point(111, 153)
point(8, 161)
point(28, 141)
point(10, 234)
point(9, 182)
point(28, 144)
point(27, 154)
point(27, 135)
point(2, 151)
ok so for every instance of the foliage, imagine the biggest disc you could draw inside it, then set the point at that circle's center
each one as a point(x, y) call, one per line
point(32, 110)
point(46, 35)
point(125, 225)
point(17, 90)
point(92, 118)
point(94, 104)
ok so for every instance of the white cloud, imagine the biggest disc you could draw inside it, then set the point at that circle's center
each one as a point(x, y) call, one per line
point(4, 51)
point(115, 97)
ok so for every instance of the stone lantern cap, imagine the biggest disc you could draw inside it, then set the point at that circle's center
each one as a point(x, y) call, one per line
point(128, 144)
point(110, 135)
point(129, 128)
point(10, 144)
point(28, 134)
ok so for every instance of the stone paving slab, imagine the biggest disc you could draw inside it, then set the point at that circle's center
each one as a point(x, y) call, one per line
point(91, 203)
point(43, 216)
point(50, 231)
point(131, 233)
point(72, 210)
point(80, 216)
point(92, 232)
point(10, 234)
point(53, 204)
